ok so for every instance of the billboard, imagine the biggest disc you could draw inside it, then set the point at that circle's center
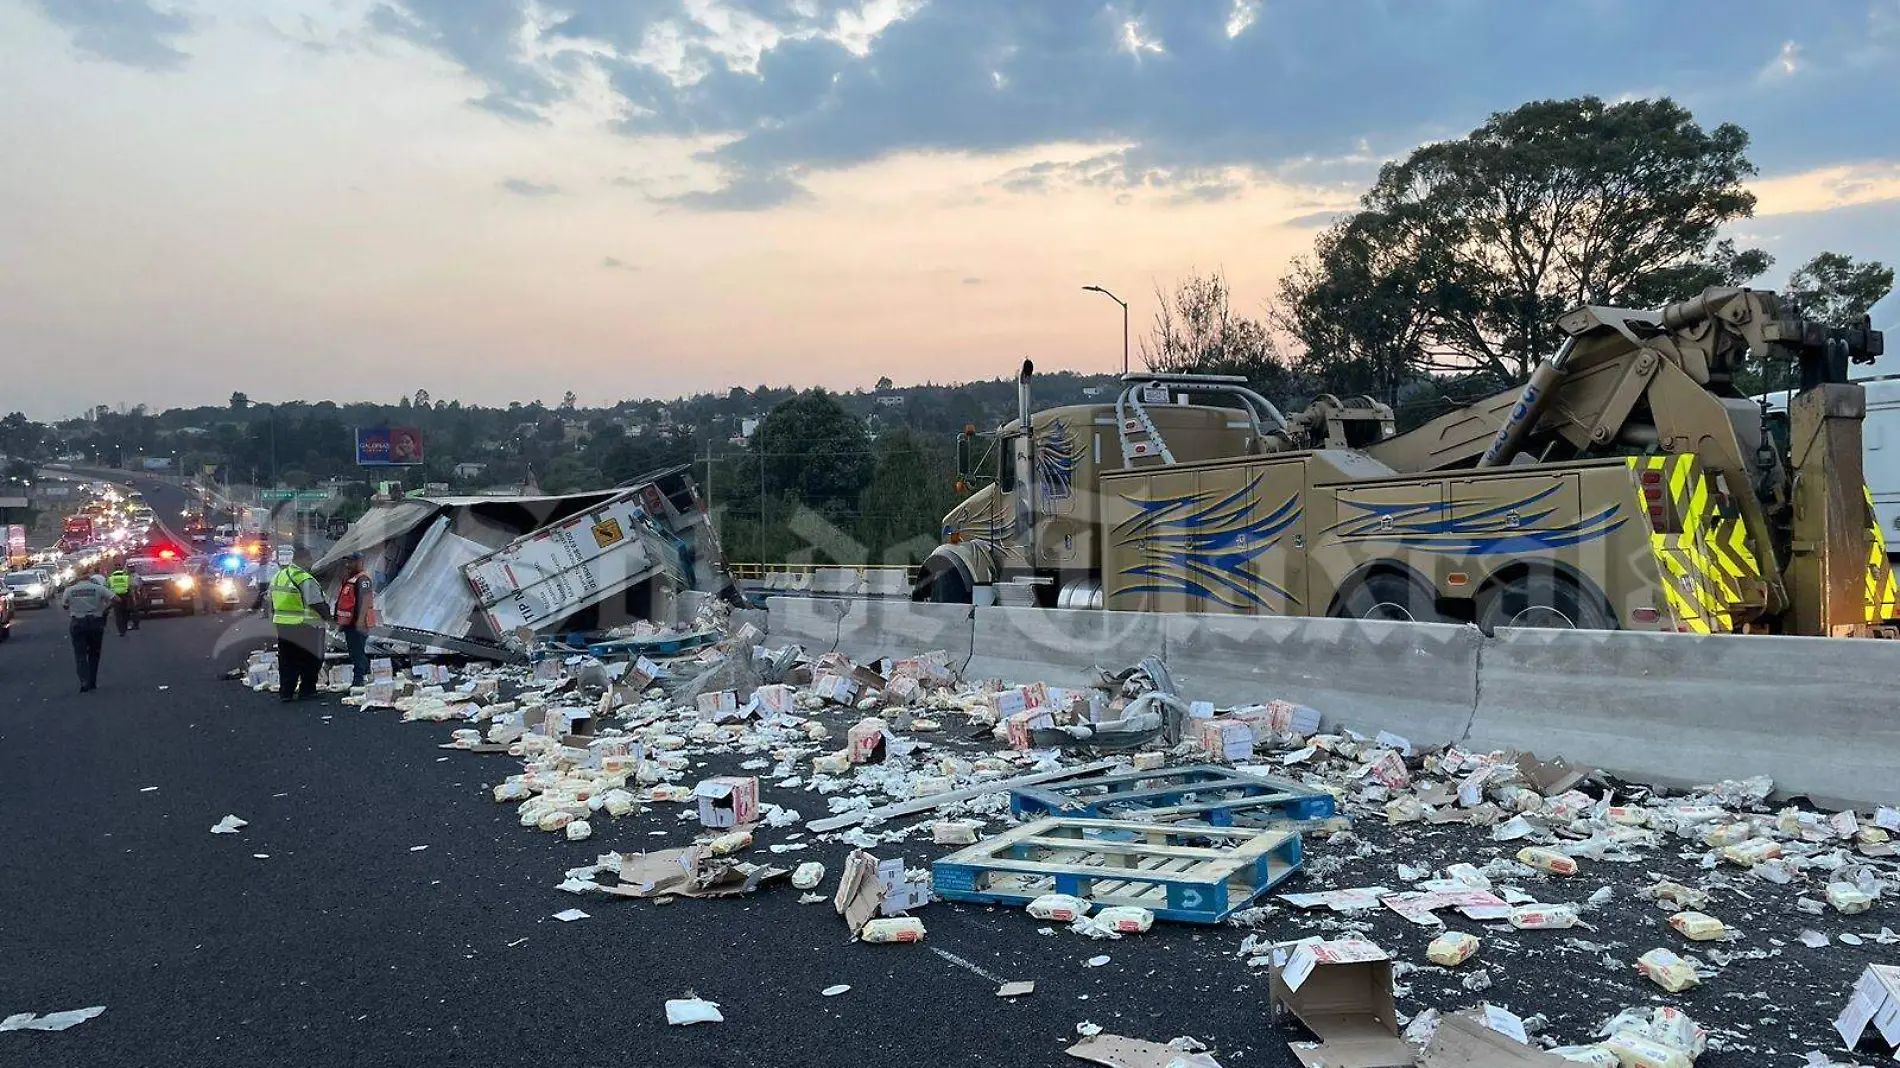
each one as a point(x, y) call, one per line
point(16, 541)
point(393, 446)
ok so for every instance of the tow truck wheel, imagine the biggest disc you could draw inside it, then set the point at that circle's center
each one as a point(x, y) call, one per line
point(947, 587)
point(1392, 596)
point(1543, 599)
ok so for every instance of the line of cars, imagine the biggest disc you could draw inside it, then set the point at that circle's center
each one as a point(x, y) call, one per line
point(38, 584)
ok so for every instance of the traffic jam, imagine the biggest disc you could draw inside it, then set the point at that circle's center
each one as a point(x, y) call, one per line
point(205, 567)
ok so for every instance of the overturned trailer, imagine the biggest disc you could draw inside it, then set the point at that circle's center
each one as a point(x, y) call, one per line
point(482, 575)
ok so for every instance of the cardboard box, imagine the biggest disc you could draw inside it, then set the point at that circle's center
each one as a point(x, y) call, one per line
point(932, 668)
point(382, 669)
point(641, 674)
point(902, 690)
point(1017, 727)
point(728, 800)
point(380, 695)
point(1388, 769)
point(777, 697)
point(864, 738)
point(1280, 717)
point(1469, 1042)
point(1875, 1000)
point(718, 706)
point(1009, 702)
point(838, 689)
point(1342, 992)
point(1225, 739)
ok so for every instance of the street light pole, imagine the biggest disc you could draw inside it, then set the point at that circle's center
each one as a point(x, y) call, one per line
point(1124, 304)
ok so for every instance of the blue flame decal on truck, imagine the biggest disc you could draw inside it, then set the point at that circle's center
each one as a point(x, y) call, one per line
point(1055, 461)
point(1206, 546)
point(1499, 529)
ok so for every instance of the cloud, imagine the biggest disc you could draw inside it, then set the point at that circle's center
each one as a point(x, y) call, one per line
point(745, 192)
point(522, 187)
point(1314, 220)
point(128, 32)
point(1243, 15)
point(1786, 64)
point(1828, 188)
point(614, 264)
point(813, 85)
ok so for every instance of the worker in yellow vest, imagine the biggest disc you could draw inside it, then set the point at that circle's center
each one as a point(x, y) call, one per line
point(124, 611)
point(298, 610)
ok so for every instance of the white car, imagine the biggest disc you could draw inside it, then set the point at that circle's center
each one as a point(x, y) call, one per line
point(30, 589)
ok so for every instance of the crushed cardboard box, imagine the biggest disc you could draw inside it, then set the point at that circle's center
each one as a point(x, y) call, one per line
point(1342, 992)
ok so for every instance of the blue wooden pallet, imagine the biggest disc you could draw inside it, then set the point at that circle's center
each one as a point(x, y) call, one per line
point(1205, 793)
point(1190, 874)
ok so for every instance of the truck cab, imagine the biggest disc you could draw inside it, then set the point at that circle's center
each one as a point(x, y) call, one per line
point(1033, 533)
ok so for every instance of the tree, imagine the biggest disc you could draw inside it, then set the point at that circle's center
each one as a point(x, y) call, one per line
point(422, 398)
point(1197, 331)
point(883, 384)
point(239, 401)
point(903, 507)
point(568, 401)
point(1558, 203)
point(1837, 291)
point(814, 448)
point(1357, 313)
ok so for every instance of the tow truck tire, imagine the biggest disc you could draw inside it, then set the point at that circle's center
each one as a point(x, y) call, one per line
point(947, 587)
point(1393, 596)
point(1543, 599)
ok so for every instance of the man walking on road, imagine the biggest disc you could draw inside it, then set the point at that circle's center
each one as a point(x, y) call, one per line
point(87, 601)
point(355, 614)
point(298, 610)
point(123, 608)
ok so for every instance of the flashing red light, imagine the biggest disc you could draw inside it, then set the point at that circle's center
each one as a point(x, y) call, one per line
point(254, 549)
point(167, 554)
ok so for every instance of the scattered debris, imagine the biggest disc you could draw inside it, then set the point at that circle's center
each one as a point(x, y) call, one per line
point(229, 825)
point(1875, 1000)
point(1116, 1051)
point(52, 1021)
point(691, 1010)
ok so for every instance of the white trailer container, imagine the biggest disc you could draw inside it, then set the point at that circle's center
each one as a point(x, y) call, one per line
point(565, 567)
point(1880, 453)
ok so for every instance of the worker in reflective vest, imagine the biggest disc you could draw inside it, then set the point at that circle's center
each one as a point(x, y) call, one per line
point(298, 610)
point(355, 615)
point(124, 611)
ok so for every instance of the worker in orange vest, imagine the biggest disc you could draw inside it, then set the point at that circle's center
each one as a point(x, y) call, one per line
point(355, 614)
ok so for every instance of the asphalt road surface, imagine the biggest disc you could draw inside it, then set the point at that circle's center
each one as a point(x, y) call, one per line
point(320, 935)
point(381, 909)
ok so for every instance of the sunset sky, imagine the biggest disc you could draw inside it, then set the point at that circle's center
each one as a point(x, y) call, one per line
point(505, 199)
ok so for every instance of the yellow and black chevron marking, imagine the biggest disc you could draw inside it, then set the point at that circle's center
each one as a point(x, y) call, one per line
point(1881, 587)
point(1706, 566)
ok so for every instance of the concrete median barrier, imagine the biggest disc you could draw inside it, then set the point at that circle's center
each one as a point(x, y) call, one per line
point(1413, 679)
point(886, 582)
point(1060, 646)
point(877, 628)
point(809, 622)
point(837, 581)
point(1816, 714)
